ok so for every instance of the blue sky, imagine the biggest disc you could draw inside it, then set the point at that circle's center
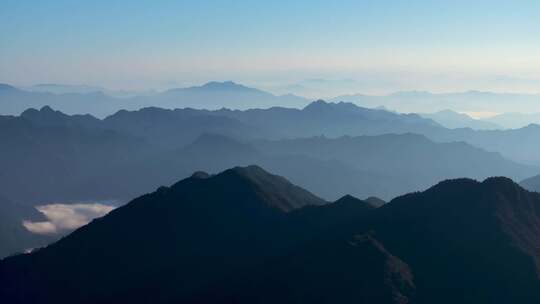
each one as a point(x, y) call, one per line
point(379, 45)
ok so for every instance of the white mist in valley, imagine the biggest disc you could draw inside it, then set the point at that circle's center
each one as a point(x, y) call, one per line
point(63, 218)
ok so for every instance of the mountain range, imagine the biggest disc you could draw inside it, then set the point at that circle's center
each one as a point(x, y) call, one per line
point(515, 120)
point(454, 120)
point(508, 111)
point(79, 157)
point(212, 95)
point(469, 101)
point(245, 235)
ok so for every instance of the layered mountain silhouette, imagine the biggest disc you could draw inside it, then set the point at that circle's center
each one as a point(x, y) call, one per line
point(469, 101)
point(215, 95)
point(80, 157)
point(330, 119)
point(531, 183)
point(73, 100)
point(411, 162)
point(318, 118)
point(515, 120)
point(453, 120)
point(246, 236)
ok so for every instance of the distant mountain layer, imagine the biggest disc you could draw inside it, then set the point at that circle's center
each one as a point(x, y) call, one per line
point(453, 120)
point(88, 100)
point(515, 120)
point(79, 157)
point(228, 238)
point(532, 183)
point(317, 118)
point(470, 101)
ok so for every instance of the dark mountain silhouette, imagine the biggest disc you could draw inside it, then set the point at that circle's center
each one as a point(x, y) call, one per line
point(230, 238)
point(196, 231)
point(480, 239)
point(375, 201)
point(359, 270)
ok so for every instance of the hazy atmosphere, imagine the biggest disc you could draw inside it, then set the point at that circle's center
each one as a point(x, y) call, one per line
point(371, 47)
point(269, 152)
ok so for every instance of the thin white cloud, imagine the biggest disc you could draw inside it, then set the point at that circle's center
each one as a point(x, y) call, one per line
point(66, 217)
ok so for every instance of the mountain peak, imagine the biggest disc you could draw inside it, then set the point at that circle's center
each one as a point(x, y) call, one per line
point(375, 201)
point(321, 105)
point(200, 175)
point(277, 191)
point(47, 109)
point(318, 104)
point(353, 201)
point(225, 85)
point(44, 112)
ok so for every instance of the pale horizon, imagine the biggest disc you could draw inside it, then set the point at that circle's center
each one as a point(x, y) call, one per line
point(379, 48)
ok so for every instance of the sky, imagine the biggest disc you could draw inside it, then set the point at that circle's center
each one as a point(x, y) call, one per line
point(334, 47)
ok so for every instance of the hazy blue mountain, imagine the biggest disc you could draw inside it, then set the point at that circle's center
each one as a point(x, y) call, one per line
point(532, 183)
point(216, 95)
point(413, 161)
point(213, 95)
point(515, 120)
point(175, 128)
point(243, 236)
point(338, 119)
point(516, 144)
point(14, 101)
point(452, 120)
point(83, 89)
point(63, 88)
point(129, 153)
point(426, 102)
point(330, 119)
point(53, 158)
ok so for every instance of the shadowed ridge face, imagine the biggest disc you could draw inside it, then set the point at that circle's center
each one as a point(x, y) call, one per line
point(349, 200)
point(479, 238)
point(275, 190)
point(354, 270)
point(518, 213)
point(229, 235)
point(200, 175)
point(375, 201)
point(165, 243)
